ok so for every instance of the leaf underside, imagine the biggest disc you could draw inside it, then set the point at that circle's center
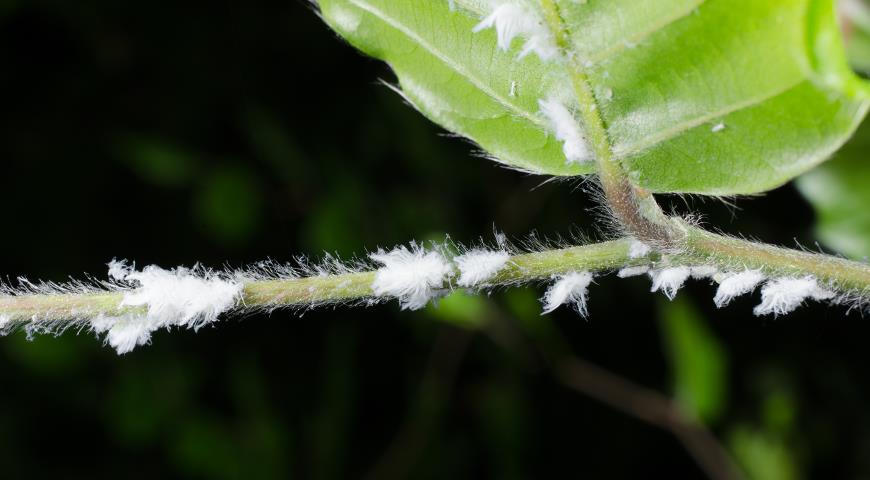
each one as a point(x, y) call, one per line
point(770, 76)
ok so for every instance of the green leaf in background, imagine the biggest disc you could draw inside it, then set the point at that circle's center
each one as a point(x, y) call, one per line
point(762, 456)
point(838, 192)
point(712, 97)
point(856, 19)
point(157, 160)
point(462, 310)
point(698, 361)
point(229, 204)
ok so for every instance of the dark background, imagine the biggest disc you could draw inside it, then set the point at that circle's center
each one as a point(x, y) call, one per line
point(229, 132)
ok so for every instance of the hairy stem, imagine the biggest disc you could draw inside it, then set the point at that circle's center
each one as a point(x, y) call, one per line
point(320, 289)
point(635, 208)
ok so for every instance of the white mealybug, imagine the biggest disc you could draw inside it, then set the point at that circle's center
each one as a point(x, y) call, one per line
point(569, 289)
point(718, 127)
point(638, 249)
point(512, 20)
point(734, 285)
point(4, 321)
point(413, 276)
point(700, 272)
point(669, 280)
point(478, 265)
point(632, 271)
point(567, 130)
point(784, 295)
point(180, 297)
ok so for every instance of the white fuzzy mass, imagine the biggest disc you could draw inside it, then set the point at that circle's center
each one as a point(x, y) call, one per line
point(784, 295)
point(669, 280)
point(632, 271)
point(413, 276)
point(510, 20)
point(735, 285)
point(567, 130)
point(569, 289)
point(703, 271)
point(180, 297)
point(638, 249)
point(478, 265)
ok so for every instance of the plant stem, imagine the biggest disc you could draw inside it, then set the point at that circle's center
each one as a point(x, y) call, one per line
point(320, 289)
point(636, 209)
point(839, 274)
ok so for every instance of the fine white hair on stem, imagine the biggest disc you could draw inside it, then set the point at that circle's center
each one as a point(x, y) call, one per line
point(511, 20)
point(638, 249)
point(571, 289)
point(479, 265)
point(632, 271)
point(180, 297)
point(784, 295)
point(733, 285)
point(567, 130)
point(413, 276)
point(669, 280)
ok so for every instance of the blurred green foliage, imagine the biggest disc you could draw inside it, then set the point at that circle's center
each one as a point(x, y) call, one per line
point(839, 192)
point(698, 362)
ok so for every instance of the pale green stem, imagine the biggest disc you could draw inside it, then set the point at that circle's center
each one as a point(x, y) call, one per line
point(703, 248)
point(322, 289)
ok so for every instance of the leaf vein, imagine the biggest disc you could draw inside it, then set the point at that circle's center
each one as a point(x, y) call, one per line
point(640, 36)
point(449, 62)
point(664, 135)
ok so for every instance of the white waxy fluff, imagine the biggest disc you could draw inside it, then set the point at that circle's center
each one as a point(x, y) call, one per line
point(632, 271)
point(123, 333)
point(478, 265)
point(784, 295)
point(734, 285)
point(413, 276)
point(638, 249)
point(512, 20)
point(718, 127)
point(569, 289)
point(669, 280)
point(5, 320)
point(701, 272)
point(180, 297)
point(567, 130)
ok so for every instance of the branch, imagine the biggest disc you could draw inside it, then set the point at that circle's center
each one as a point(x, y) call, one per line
point(62, 303)
point(652, 408)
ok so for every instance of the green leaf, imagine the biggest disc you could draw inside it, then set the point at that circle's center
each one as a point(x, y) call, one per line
point(762, 455)
point(462, 310)
point(770, 74)
point(838, 191)
point(458, 78)
point(698, 361)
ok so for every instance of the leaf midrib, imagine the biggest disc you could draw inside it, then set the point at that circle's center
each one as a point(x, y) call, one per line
point(450, 63)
